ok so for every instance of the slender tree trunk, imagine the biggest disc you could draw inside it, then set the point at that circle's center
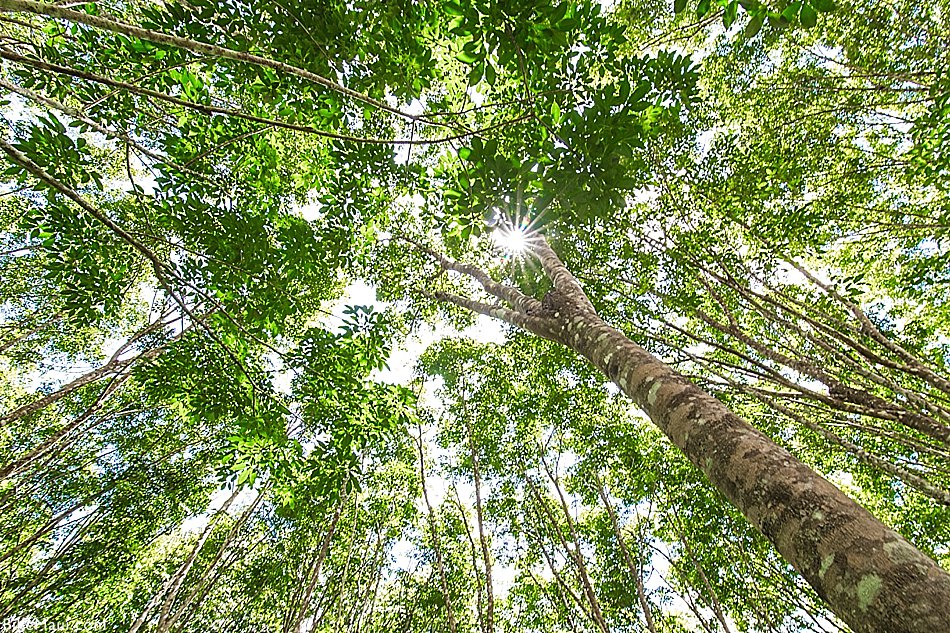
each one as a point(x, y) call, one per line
point(685, 596)
point(710, 590)
point(577, 551)
point(847, 398)
point(480, 599)
point(868, 574)
point(25, 334)
point(560, 594)
point(25, 462)
point(165, 622)
point(559, 580)
point(205, 583)
point(479, 516)
point(114, 367)
point(368, 603)
point(575, 555)
point(167, 593)
point(295, 618)
point(635, 569)
point(433, 528)
point(337, 603)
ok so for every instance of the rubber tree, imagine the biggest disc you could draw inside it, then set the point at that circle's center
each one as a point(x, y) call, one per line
point(869, 575)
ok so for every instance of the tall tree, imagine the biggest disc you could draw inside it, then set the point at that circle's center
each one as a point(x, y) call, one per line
point(191, 185)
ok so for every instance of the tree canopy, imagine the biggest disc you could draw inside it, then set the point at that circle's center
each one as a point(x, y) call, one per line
point(712, 236)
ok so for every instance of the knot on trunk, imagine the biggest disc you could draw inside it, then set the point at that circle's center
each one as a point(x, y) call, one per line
point(559, 304)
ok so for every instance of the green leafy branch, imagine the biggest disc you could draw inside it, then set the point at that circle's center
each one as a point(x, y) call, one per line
point(803, 13)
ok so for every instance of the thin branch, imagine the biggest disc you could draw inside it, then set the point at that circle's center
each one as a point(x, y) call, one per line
point(41, 8)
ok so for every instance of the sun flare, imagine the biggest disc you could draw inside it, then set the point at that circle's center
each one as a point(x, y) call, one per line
point(512, 240)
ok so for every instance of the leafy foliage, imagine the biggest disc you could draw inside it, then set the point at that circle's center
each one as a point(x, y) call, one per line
point(199, 435)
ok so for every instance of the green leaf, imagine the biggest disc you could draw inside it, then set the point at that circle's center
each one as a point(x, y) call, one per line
point(779, 23)
point(729, 15)
point(703, 8)
point(476, 74)
point(453, 8)
point(823, 6)
point(791, 11)
point(679, 6)
point(457, 27)
point(808, 17)
point(466, 58)
point(641, 91)
point(754, 26)
point(491, 75)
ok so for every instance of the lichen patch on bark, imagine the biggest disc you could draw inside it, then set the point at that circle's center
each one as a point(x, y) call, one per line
point(868, 588)
point(825, 564)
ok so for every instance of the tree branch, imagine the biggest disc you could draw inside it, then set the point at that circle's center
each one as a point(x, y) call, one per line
point(42, 8)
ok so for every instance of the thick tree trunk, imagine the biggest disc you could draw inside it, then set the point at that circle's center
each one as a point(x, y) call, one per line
point(868, 574)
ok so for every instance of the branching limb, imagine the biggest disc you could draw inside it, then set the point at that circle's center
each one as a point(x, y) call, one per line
point(41, 174)
point(235, 113)
point(518, 300)
point(512, 317)
point(558, 273)
point(213, 109)
point(164, 39)
point(79, 116)
point(163, 273)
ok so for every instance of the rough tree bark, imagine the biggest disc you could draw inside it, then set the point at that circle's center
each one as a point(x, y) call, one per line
point(868, 574)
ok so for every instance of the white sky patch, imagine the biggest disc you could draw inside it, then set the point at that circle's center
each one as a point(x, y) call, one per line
point(310, 211)
point(803, 381)
point(842, 479)
point(700, 349)
point(415, 108)
point(197, 523)
point(704, 141)
point(16, 110)
point(646, 195)
point(402, 552)
point(402, 360)
point(477, 98)
point(829, 58)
